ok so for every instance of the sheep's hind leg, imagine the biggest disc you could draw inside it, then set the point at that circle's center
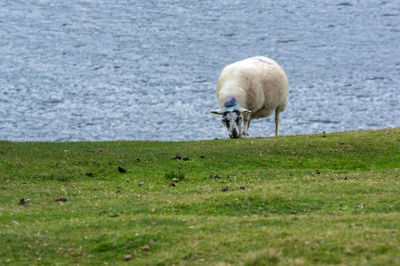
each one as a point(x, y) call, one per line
point(276, 122)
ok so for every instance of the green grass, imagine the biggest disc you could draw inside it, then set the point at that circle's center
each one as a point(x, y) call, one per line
point(296, 200)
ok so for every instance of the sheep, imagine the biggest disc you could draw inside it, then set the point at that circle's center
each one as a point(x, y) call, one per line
point(249, 89)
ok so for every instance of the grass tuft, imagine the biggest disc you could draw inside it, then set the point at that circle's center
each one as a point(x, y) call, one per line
point(170, 175)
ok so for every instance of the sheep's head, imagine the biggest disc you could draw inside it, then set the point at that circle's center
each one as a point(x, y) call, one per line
point(232, 118)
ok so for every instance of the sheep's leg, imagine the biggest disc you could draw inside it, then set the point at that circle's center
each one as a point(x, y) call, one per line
point(246, 124)
point(276, 122)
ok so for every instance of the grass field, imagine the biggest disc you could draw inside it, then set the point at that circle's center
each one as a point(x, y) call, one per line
point(300, 200)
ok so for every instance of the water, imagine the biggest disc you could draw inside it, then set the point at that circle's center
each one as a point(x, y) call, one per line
point(147, 70)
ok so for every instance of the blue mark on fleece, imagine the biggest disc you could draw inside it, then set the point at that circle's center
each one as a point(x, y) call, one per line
point(230, 104)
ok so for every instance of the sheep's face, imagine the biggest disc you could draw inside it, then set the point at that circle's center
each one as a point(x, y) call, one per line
point(233, 122)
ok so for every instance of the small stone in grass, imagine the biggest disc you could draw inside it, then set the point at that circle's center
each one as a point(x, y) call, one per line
point(141, 184)
point(94, 189)
point(145, 247)
point(127, 257)
point(175, 179)
point(60, 199)
point(172, 184)
point(121, 170)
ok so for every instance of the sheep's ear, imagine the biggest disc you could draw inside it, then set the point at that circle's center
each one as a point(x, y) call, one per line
point(244, 110)
point(218, 111)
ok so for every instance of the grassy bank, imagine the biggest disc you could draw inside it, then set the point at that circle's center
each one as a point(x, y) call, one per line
point(310, 199)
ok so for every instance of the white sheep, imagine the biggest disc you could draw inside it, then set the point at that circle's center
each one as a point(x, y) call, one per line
point(248, 89)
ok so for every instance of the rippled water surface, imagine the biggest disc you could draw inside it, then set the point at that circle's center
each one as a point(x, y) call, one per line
point(105, 70)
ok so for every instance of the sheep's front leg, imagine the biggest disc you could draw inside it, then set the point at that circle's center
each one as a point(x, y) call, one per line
point(246, 124)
